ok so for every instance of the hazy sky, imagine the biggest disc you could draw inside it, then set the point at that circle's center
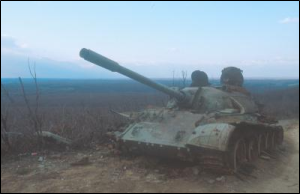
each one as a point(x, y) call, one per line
point(153, 38)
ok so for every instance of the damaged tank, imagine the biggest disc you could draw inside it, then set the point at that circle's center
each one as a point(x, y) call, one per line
point(218, 127)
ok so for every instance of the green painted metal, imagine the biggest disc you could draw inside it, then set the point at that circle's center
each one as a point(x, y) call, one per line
point(196, 121)
point(215, 136)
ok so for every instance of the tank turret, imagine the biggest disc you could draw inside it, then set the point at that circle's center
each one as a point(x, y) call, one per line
point(219, 127)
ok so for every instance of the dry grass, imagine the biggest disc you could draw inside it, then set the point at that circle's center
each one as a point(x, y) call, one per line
point(86, 118)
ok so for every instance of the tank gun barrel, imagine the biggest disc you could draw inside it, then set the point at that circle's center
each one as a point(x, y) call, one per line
point(113, 66)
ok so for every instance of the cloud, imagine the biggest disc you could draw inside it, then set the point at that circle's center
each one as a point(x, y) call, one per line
point(11, 42)
point(281, 61)
point(14, 63)
point(11, 45)
point(14, 56)
point(289, 20)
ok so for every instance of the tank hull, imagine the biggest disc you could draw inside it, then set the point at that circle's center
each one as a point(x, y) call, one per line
point(218, 126)
point(211, 140)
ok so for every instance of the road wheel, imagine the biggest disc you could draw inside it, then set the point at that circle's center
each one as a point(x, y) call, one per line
point(261, 143)
point(238, 155)
point(252, 149)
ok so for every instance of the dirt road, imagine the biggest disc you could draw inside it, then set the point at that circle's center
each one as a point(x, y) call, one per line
point(106, 172)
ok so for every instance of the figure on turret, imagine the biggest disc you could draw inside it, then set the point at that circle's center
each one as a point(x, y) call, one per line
point(199, 79)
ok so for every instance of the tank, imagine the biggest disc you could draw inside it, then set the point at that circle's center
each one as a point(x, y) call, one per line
point(217, 127)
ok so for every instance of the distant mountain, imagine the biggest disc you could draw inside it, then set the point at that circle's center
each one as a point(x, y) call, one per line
point(13, 66)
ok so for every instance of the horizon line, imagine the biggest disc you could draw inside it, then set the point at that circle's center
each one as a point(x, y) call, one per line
point(157, 78)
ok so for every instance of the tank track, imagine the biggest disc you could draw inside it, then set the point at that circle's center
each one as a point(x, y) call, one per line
point(247, 144)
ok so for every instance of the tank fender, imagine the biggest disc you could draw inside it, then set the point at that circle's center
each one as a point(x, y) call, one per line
point(212, 136)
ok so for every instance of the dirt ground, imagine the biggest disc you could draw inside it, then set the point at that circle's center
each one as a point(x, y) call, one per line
point(107, 172)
